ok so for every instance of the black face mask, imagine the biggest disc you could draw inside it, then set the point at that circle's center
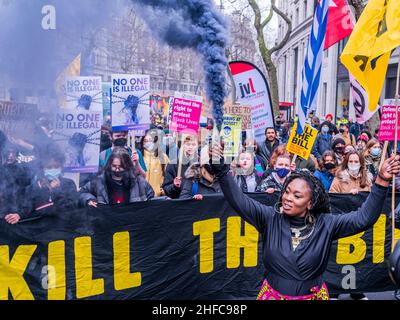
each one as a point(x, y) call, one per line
point(120, 142)
point(118, 174)
point(105, 141)
point(329, 166)
point(339, 150)
point(341, 130)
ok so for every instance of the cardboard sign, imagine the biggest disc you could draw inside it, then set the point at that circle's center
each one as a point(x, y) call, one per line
point(301, 144)
point(388, 122)
point(186, 111)
point(242, 111)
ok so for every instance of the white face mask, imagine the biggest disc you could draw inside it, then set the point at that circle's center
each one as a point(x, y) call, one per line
point(354, 169)
point(149, 146)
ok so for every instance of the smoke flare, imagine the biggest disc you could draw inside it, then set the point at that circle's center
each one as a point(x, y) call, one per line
point(198, 25)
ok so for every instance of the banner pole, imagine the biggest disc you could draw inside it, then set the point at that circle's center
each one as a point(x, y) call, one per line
point(384, 151)
point(395, 149)
point(183, 137)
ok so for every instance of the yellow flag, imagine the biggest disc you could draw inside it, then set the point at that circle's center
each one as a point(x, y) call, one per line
point(368, 50)
point(74, 69)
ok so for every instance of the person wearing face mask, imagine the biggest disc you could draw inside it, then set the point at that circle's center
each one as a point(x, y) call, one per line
point(323, 142)
point(352, 176)
point(50, 193)
point(373, 154)
point(105, 138)
point(282, 169)
point(245, 174)
point(120, 182)
point(348, 138)
point(328, 165)
point(200, 180)
point(338, 146)
point(156, 161)
point(119, 139)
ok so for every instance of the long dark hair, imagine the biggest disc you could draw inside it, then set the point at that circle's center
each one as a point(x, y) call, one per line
point(126, 162)
point(319, 198)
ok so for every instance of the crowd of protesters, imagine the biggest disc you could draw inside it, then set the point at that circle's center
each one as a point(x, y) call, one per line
point(345, 158)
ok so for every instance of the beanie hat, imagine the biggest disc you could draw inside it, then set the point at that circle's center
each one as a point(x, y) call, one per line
point(329, 115)
point(337, 141)
point(363, 136)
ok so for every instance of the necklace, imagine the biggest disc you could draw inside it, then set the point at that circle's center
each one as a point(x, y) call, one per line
point(296, 239)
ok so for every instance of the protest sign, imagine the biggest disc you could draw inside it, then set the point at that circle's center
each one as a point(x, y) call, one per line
point(231, 134)
point(186, 111)
point(78, 126)
point(244, 112)
point(17, 119)
point(130, 108)
point(170, 249)
point(78, 135)
point(301, 144)
point(252, 90)
point(388, 121)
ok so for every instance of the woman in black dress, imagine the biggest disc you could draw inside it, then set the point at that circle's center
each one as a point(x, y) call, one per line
point(298, 232)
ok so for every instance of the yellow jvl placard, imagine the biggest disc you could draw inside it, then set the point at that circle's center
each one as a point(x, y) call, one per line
point(301, 144)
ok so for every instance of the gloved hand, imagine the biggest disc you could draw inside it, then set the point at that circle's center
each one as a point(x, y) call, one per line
point(217, 160)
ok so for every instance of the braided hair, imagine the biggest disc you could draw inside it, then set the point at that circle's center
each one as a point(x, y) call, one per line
point(319, 198)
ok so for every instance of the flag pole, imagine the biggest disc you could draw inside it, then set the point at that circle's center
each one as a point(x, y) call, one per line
point(395, 149)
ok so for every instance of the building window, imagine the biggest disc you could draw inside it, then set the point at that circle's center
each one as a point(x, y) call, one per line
point(305, 9)
point(297, 21)
point(342, 102)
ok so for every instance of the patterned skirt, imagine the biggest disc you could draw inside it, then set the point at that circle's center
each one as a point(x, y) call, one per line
point(269, 293)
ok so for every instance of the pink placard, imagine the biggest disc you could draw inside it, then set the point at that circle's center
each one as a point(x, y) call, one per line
point(388, 122)
point(186, 112)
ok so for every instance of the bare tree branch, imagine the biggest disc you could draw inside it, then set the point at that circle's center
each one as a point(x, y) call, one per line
point(288, 32)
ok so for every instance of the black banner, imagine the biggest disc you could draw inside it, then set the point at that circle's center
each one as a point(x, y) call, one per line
point(176, 249)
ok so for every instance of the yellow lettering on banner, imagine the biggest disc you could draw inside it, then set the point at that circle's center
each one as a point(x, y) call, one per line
point(206, 229)
point(397, 234)
point(351, 250)
point(234, 241)
point(86, 286)
point(12, 272)
point(379, 237)
point(56, 261)
point(123, 278)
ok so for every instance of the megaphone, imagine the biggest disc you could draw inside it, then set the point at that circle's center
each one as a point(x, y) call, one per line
point(394, 265)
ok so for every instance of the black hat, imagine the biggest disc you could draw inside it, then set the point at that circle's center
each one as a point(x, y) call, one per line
point(337, 141)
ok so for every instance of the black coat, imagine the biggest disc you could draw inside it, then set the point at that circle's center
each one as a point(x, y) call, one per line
point(295, 272)
point(171, 172)
point(41, 202)
point(203, 188)
point(96, 190)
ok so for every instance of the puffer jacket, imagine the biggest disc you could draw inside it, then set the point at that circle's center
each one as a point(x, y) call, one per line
point(96, 190)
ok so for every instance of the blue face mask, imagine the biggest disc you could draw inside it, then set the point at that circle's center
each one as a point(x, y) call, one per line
point(282, 172)
point(325, 130)
point(376, 152)
point(52, 174)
